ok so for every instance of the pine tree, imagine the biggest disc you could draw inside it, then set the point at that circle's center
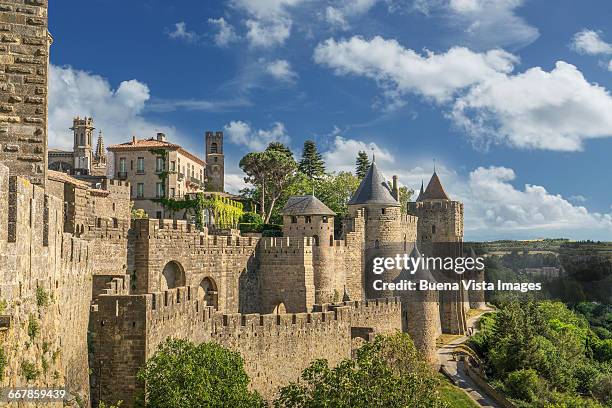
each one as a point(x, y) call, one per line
point(363, 164)
point(312, 163)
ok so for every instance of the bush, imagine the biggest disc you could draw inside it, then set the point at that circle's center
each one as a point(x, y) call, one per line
point(602, 389)
point(388, 372)
point(139, 213)
point(524, 384)
point(250, 227)
point(33, 327)
point(182, 374)
point(251, 218)
point(42, 297)
point(29, 370)
point(3, 363)
point(272, 230)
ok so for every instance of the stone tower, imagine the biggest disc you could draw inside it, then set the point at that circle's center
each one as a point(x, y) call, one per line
point(100, 154)
point(83, 144)
point(215, 161)
point(440, 233)
point(24, 56)
point(420, 311)
point(383, 226)
point(307, 216)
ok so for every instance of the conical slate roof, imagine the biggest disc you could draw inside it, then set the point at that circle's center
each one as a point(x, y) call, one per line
point(373, 190)
point(421, 273)
point(434, 190)
point(420, 196)
point(306, 205)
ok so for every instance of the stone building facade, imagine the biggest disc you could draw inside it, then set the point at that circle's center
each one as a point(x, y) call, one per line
point(88, 294)
point(83, 159)
point(156, 169)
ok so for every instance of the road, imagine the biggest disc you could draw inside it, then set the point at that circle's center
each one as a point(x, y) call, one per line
point(455, 369)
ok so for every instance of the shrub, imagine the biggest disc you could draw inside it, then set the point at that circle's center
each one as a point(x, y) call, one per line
point(29, 370)
point(3, 306)
point(33, 327)
point(524, 384)
point(42, 297)
point(3, 363)
point(139, 213)
point(183, 374)
point(250, 227)
point(272, 230)
point(251, 218)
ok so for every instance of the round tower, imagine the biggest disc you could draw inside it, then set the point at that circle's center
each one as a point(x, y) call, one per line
point(383, 226)
point(307, 216)
point(420, 310)
point(440, 234)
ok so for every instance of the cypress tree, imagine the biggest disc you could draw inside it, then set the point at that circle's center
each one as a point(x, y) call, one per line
point(363, 164)
point(312, 163)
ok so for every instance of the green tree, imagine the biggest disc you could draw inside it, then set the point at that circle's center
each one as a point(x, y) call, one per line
point(388, 372)
point(362, 164)
point(312, 164)
point(182, 374)
point(271, 172)
point(405, 194)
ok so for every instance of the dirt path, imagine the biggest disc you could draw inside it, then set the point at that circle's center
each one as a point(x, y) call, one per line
point(455, 369)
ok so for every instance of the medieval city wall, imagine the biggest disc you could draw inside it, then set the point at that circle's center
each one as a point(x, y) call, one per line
point(276, 348)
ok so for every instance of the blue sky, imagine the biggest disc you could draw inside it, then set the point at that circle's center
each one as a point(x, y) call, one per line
point(511, 97)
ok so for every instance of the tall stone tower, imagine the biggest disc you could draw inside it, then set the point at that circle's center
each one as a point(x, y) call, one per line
point(440, 234)
point(307, 216)
point(24, 59)
point(82, 143)
point(383, 226)
point(215, 161)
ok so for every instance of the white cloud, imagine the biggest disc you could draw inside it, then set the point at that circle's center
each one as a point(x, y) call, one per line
point(590, 42)
point(343, 153)
point(338, 14)
point(484, 23)
point(226, 33)
point(181, 33)
point(556, 110)
point(268, 35)
point(117, 112)
point(610, 66)
point(281, 69)
point(269, 23)
point(399, 70)
point(241, 133)
point(234, 182)
point(578, 198)
point(495, 204)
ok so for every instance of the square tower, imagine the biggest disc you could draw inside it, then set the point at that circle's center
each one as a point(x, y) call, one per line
point(215, 161)
point(23, 88)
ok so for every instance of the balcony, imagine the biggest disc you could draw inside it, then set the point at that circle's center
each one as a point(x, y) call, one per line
point(181, 176)
point(122, 175)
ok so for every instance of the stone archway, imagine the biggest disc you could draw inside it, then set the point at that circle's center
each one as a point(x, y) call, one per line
point(209, 292)
point(280, 309)
point(172, 276)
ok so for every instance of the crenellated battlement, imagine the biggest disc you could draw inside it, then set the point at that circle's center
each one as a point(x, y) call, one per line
point(434, 205)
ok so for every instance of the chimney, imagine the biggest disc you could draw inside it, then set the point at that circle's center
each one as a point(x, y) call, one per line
point(133, 139)
point(161, 137)
point(395, 190)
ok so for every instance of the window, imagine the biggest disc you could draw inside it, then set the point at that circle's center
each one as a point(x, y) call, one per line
point(325, 219)
point(140, 190)
point(122, 165)
point(159, 190)
point(215, 159)
point(308, 220)
point(158, 215)
point(293, 219)
point(82, 138)
point(383, 210)
point(172, 165)
point(159, 164)
point(172, 191)
point(213, 148)
point(433, 229)
point(140, 165)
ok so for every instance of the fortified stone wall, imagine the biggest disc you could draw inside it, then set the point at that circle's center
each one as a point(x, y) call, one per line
point(276, 347)
point(24, 51)
point(225, 260)
point(45, 290)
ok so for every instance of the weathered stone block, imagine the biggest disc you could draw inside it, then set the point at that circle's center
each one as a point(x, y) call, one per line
point(11, 148)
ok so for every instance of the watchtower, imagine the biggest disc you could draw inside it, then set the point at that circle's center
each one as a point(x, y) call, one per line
point(83, 143)
point(215, 161)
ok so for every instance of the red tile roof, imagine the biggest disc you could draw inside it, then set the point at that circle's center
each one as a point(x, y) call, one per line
point(147, 144)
